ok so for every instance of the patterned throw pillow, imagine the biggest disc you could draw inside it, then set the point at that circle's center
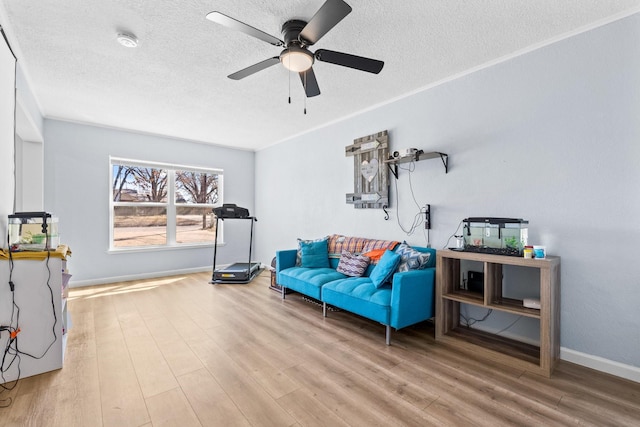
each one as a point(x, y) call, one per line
point(352, 265)
point(411, 259)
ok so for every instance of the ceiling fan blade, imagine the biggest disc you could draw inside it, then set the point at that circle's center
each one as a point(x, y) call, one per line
point(234, 24)
point(309, 83)
point(331, 12)
point(254, 68)
point(347, 60)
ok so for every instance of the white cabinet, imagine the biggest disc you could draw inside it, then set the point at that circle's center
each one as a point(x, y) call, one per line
point(38, 308)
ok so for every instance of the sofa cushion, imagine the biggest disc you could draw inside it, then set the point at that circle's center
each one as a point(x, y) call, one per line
point(359, 295)
point(352, 265)
point(314, 254)
point(385, 268)
point(308, 281)
point(411, 259)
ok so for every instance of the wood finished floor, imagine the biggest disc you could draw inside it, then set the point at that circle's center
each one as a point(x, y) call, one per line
point(178, 351)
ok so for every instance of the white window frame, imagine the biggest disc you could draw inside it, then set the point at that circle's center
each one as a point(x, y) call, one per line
point(170, 204)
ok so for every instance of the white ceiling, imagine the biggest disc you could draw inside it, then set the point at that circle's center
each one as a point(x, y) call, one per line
point(174, 83)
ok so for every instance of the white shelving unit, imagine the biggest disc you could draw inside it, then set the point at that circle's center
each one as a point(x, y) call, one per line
point(41, 296)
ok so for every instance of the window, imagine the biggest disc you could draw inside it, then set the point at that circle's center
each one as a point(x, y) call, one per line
point(156, 204)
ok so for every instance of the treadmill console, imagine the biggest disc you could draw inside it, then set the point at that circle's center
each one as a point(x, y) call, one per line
point(230, 210)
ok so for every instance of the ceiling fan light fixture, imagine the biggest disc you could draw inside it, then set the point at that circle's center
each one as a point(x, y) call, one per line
point(127, 40)
point(296, 59)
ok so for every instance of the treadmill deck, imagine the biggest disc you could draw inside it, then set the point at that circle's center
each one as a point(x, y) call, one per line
point(239, 272)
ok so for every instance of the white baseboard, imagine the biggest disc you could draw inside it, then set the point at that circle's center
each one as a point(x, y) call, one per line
point(142, 276)
point(612, 367)
point(106, 280)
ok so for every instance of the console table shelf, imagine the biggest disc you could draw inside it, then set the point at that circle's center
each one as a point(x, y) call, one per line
point(450, 294)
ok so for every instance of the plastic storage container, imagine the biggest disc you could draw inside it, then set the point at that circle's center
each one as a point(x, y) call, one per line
point(500, 236)
point(33, 231)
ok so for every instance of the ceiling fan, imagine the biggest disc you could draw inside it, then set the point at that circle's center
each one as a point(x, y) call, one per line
point(298, 36)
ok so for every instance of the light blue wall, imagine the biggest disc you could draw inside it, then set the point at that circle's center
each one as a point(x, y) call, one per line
point(7, 131)
point(30, 123)
point(77, 190)
point(552, 136)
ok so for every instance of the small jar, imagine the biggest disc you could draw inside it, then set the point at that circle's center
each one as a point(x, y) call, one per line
point(528, 252)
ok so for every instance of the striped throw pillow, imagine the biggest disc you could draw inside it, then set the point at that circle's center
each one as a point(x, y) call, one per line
point(352, 265)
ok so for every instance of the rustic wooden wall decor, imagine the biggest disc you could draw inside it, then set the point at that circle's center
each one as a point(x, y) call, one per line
point(370, 172)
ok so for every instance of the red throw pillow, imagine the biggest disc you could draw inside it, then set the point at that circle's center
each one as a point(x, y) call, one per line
point(375, 255)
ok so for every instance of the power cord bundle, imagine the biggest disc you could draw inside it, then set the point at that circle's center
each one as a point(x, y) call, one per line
point(10, 356)
point(470, 321)
point(418, 218)
point(455, 233)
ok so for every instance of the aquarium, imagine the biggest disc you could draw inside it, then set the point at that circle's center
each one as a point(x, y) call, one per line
point(500, 236)
point(33, 231)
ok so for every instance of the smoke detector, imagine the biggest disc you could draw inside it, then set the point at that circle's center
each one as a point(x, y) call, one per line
point(127, 40)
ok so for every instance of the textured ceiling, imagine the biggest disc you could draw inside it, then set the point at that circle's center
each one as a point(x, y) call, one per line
point(174, 83)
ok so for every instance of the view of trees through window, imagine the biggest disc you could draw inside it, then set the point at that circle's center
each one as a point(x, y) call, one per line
point(155, 206)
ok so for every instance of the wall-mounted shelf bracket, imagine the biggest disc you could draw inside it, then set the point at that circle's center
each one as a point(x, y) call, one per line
point(420, 155)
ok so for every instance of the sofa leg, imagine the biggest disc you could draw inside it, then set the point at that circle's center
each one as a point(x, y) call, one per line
point(324, 309)
point(388, 335)
point(283, 291)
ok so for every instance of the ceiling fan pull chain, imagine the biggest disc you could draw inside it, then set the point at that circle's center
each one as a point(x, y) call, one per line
point(305, 92)
point(289, 60)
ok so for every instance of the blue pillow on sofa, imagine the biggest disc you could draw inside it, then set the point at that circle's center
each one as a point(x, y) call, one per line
point(314, 254)
point(299, 252)
point(385, 268)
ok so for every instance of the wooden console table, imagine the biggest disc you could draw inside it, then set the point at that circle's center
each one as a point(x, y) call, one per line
point(450, 294)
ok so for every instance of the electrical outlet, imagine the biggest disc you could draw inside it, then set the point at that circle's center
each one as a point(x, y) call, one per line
point(427, 217)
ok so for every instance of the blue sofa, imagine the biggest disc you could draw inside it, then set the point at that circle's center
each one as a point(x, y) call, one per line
point(407, 299)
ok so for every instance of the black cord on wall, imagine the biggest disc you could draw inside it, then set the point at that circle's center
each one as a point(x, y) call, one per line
point(418, 218)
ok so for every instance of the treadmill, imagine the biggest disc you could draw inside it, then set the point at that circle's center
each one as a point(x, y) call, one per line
point(239, 272)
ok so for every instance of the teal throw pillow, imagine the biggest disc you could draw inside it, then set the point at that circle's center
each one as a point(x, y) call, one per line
point(385, 268)
point(300, 242)
point(314, 254)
